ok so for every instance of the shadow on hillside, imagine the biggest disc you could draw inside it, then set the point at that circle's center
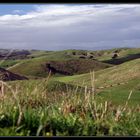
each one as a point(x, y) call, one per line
point(118, 61)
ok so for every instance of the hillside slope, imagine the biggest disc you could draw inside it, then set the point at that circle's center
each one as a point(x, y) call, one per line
point(62, 60)
point(117, 74)
point(127, 53)
point(36, 66)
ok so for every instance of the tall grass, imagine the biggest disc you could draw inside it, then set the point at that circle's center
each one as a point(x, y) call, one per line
point(35, 111)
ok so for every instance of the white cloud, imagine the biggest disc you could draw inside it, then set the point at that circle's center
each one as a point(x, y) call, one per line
point(69, 26)
point(58, 14)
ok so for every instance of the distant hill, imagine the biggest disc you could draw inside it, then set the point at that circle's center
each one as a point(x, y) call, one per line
point(71, 61)
point(37, 67)
point(128, 53)
point(13, 54)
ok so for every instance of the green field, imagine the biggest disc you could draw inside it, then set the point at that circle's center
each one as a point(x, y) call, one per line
point(61, 105)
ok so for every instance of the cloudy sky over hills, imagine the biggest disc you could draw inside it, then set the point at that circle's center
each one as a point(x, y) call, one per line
point(69, 26)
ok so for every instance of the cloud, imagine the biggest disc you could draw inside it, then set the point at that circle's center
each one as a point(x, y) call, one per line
point(67, 26)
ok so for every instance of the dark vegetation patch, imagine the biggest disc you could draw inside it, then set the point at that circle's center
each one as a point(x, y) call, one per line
point(121, 60)
point(6, 75)
point(83, 57)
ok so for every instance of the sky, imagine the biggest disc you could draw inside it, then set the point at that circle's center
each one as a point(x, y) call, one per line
point(69, 26)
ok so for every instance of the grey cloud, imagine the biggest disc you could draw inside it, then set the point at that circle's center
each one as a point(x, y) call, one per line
point(87, 29)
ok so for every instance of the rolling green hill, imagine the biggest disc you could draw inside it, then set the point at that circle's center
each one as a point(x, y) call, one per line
point(101, 55)
point(121, 73)
point(65, 105)
point(123, 52)
point(34, 65)
point(113, 83)
point(61, 60)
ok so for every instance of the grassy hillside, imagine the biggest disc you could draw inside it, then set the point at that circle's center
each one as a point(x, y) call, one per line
point(8, 63)
point(63, 106)
point(123, 52)
point(119, 94)
point(113, 83)
point(28, 109)
point(31, 65)
point(35, 66)
point(116, 74)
